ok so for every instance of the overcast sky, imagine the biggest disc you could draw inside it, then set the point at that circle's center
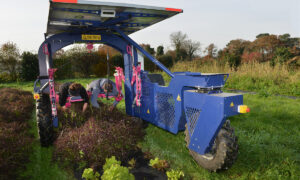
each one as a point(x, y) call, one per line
point(207, 21)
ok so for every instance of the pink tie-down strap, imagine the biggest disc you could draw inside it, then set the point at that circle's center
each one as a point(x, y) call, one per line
point(119, 77)
point(138, 84)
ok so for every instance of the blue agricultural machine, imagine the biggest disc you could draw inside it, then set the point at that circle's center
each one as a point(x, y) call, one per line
point(193, 102)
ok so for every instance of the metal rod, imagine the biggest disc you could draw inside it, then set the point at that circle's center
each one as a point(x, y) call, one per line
point(155, 61)
point(107, 58)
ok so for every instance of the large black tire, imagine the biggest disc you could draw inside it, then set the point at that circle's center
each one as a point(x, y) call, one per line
point(44, 120)
point(223, 153)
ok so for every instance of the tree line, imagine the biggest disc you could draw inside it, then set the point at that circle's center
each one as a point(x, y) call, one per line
point(81, 62)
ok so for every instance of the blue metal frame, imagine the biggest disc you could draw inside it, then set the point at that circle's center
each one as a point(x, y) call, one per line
point(167, 107)
point(100, 24)
point(98, 12)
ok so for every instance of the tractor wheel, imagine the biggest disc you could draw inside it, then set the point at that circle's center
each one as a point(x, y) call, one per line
point(223, 153)
point(44, 120)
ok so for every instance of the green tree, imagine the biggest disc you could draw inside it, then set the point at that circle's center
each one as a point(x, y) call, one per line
point(160, 51)
point(117, 61)
point(211, 50)
point(29, 66)
point(234, 50)
point(149, 65)
point(262, 35)
point(192, 47)
point(10, 60)
point(178, 39)
point(266, 46)
point(83, 61)
point(233, 60)
point(282, 54)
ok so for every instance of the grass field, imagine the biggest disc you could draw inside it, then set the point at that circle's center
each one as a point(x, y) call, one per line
point(268, 143)
point(269, 147)
point(258, 77)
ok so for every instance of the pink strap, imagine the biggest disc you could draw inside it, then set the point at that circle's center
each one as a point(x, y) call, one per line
point(136, 77)
point(129, 50)
point(119, 77)
point(52, 91)
point(45, 49)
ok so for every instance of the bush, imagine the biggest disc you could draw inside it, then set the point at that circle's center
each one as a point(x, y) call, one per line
point(89, 138)
point(29, 66)
point(16, 105)
point(15, 141)
point(117, 61)
point(5, 78)
point(64, 67)
point(166, 60)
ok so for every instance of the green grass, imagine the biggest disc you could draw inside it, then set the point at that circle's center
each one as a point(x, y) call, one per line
point(41, 165)
point(269, 139)
point(269, 147)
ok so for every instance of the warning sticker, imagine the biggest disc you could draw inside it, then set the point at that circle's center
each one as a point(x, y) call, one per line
point(231, 105)
point(148, 111)
point(91, 37)
point(178, 98)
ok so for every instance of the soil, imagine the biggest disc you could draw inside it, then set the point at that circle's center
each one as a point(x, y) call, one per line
point(143, 171)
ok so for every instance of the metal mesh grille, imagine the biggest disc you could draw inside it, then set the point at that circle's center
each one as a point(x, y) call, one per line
point(146, 91)
point(193, 116)
point(166, 108)
point(137, 110)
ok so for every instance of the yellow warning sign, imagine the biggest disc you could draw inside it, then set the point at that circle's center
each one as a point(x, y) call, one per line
point(148, 111)
point(91, 37)
point(178, 98)
point(231, 105)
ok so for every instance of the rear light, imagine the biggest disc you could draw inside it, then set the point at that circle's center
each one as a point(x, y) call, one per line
point(243, 109)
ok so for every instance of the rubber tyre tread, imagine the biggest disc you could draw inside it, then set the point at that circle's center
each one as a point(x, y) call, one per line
point(226, 150)
point(44, 120)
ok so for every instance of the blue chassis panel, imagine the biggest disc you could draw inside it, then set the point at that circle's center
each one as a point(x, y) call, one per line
point(207, 116)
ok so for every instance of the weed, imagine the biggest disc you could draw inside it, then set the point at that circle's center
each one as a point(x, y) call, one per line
point(161, 165)
point(132, 163)
point(89, 174)
point(175, 174)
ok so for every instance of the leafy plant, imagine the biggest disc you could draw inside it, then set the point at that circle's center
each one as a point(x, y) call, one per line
point(158, 164)
point(89, 174)
point(114, 171)
point(94, 136)
point(175, 174)
point(132, 163)
point(110, 162)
